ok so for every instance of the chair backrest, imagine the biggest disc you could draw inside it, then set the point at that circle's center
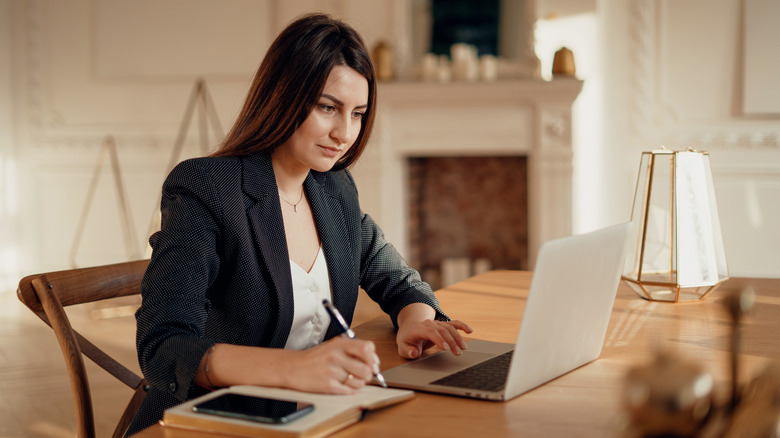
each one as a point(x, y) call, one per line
point(48, 294)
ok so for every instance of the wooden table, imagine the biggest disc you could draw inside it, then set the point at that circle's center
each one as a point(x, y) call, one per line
point(587, 401)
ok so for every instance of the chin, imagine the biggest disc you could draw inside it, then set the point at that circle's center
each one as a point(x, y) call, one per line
point(324, 166)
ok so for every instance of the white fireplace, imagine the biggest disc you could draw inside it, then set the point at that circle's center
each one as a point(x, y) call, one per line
point(531, 118)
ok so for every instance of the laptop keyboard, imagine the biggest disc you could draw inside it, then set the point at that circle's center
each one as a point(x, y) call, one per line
point(489, 375)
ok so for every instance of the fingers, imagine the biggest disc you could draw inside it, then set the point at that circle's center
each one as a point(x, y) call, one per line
point(453, 328)
point(337, 366)
point(460, 325)
point(364, 352)
point(413, 352)
point(354, 364)
point(353, 382)
point(360, 371)
point(444, 334)
point(450, 337)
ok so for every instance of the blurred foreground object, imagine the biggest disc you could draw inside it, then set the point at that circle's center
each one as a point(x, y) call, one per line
point(675, 397)
point(758, 413)
point(668, 397)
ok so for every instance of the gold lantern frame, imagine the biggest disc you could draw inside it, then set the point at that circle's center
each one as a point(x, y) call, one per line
point(686, 260)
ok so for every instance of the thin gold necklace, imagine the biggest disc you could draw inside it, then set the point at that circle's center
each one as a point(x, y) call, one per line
point(294, 206)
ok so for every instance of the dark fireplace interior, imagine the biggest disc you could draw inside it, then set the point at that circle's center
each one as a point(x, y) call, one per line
point(467, 214)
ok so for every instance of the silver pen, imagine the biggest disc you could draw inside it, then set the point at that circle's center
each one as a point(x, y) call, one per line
point(336, 316)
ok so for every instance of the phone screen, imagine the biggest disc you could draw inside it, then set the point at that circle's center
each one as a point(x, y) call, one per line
point(247, 407)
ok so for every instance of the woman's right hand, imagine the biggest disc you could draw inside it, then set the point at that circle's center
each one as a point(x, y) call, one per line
point(337, 366)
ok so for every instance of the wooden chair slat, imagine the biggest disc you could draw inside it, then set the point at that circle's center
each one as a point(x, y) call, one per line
point(48, 294)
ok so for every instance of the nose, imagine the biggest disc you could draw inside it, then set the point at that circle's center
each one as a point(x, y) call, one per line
point(344, 129)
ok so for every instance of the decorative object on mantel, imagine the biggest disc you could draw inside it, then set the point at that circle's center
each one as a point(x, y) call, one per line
point(678, 254)
point(383, 61)
point(466, 65)
point(207, 116)
point(563, 63)
point(674, 397)
point(444, 69)
point(488, 68)
point(430, 67)
point(108, 149)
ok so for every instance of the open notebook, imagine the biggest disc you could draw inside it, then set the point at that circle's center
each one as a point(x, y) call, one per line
point(331, 412)
point(563, 326)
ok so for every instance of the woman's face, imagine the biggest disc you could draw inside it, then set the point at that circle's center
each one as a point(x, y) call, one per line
point(333, 125)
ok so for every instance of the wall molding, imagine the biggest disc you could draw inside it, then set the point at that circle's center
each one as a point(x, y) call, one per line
point(47, 128)
point(654, 122)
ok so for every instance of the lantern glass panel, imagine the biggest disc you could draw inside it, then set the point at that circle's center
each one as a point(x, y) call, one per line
point(659, 236)
point(634, 251)
point(678, 253)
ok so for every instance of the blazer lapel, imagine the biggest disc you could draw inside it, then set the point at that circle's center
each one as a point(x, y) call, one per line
point(265, 218)
point(336, 245)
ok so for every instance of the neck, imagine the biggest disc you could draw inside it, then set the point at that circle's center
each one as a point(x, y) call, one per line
point(289, 176)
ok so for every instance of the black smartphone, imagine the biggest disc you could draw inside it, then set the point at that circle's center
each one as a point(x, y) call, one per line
point(260, 409)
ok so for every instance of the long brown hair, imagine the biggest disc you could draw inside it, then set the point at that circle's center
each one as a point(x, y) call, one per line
point(289, 83)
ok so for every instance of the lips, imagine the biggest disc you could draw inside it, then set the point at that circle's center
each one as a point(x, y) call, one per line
point(331, 151)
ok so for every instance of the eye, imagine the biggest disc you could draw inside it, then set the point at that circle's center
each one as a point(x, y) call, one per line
point(358, 114)
point(327, 107)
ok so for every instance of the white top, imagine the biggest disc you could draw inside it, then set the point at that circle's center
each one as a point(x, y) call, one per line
point(310, 320)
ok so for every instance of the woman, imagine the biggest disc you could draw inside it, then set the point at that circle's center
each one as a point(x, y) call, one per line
point(254, 237)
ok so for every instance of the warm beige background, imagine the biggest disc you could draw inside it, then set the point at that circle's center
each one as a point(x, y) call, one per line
point(73, 72)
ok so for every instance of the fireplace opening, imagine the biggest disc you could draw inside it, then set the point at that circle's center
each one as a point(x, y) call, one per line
point(467, 215)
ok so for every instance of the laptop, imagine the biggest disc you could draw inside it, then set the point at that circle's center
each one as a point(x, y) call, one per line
point(563, 327)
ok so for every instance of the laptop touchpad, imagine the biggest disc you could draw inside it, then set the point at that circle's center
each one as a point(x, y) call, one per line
point(448, 362)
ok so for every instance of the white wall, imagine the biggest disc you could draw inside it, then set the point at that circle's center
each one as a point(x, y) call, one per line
point(83, 70)
point(77, 71)
point(661, 81)
point(72, 73)
point(681, 86)
point(8, 196)
point(578, 32)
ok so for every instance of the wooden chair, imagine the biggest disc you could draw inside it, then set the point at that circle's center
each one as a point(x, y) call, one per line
point(48, 294)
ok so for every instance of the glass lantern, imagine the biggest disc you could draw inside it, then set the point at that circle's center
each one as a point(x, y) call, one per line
point(678, 252)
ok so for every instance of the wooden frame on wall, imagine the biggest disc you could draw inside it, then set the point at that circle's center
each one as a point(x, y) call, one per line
point(761, 93)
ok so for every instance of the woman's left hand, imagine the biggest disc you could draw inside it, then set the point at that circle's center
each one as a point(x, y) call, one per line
point(414, 337)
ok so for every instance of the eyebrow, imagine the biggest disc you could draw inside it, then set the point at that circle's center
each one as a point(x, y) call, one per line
point(340, 103)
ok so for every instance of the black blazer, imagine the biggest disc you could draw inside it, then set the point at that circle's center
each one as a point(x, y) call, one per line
point(220, 269)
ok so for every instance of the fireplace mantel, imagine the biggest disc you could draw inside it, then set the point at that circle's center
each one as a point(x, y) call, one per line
point(530, 90)
point(506, 117)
